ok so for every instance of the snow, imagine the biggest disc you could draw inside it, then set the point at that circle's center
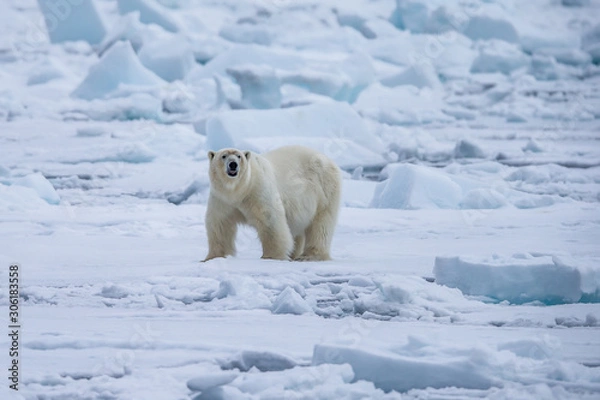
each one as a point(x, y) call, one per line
point(72, 20)
point(389, 372)
point(416, 364)
point(591, 43)
point(411, 15)
point(132, 106)
point(34, 182)
point(401, 105)
point(421, 76)
point(460, 187)
point(170, 59)
point(324, 83)
point(342, 78)
point(467, 149)
point(40, 185)
point(118, 67)
point(333, 128)
point(483, 199)
point(15, 197)
point(290, 302)
point(150, 13)
point(45, 72)
point(483, 27)
point(129, 28)
point(240, 292)
point(575, 3)
point(413, 186)
point(259, 84)
point(520, 279)
point(395, 49)
point(315, 382)
point(533, 147)
point(567, 56)
point(465, 258)
point(245, 33)
point(499, 56)
point(207, 382)
point(206, 48)
point(262, 361)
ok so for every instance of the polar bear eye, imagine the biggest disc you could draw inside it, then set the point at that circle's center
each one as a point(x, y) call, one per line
point(238, 156)
point(224, 156)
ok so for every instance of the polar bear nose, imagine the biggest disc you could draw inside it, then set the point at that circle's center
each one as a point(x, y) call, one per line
point(233, 165)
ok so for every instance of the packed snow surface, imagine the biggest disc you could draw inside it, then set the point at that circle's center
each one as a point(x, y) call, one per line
point(465, 259)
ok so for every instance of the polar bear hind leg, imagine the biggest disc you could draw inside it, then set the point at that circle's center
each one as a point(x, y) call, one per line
point(318, 237)
point(319, 233)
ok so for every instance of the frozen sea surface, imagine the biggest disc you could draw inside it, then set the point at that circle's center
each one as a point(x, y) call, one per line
point(465, 261)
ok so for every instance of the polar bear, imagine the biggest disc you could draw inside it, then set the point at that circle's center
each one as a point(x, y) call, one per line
point(290, 195)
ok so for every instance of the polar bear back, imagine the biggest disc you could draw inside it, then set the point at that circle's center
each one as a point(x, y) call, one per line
point(308, 182)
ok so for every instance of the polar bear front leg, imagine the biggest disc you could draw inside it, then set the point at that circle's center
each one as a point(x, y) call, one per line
point(277, 242)
point(221, 238)
point(273, 232)
point(221, 229)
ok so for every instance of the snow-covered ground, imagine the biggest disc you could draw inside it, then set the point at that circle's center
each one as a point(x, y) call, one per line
point(466, 257)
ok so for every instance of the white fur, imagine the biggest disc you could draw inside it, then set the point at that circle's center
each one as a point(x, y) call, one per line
point(291, 196)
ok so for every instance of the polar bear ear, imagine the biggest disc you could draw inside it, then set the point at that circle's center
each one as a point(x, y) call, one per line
point(211, 155)
point(247, 155)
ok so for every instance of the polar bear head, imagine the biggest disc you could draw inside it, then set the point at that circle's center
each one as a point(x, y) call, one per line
point(228, 167)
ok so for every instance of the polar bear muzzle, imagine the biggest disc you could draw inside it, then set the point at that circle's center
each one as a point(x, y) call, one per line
point(232, 168)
